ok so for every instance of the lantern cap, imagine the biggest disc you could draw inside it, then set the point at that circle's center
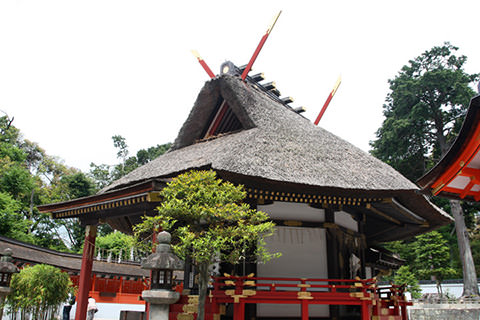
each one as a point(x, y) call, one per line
point(6, 265)
point(163, 258)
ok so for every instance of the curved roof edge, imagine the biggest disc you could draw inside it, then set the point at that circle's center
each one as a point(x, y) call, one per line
point(455, 175)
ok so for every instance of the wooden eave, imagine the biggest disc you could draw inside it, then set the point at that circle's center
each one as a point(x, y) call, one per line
point(26, 253)
point(144, 192)
point(381, 259)
point(389, 215)
point(457, 174)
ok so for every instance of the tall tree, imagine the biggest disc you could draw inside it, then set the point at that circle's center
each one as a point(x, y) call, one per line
point(120, 143)
point(433, 257)
point(208, 221)
point(423, 113)
point(104, 174)
point(29, 177)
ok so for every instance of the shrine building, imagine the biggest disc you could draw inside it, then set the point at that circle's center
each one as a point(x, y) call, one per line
point(333, 203)
point(457, 174)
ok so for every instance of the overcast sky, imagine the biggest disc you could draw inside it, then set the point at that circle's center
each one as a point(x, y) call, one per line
point(74, 73)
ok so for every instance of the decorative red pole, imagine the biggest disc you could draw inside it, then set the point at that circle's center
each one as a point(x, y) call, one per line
point(259, 47)
point(203, 64)
point(85, 280)
point(239, 310)
point(304, 306)
point(330, 96)
point(365, 310)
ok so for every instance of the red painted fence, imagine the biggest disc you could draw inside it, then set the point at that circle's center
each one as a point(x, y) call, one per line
point(384, 303)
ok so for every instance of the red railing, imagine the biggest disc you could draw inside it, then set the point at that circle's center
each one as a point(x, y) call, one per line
point(115, 290)
point(362, 292)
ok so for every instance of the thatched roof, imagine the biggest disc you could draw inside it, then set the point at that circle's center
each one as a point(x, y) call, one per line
point(276, 144)
point(278, 149)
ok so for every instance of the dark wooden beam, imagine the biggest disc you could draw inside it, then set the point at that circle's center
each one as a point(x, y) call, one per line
point(333, 265)
point(382, 214)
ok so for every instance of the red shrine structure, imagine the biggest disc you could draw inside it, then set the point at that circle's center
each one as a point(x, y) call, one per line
point(111, 282)
point(333, 205)
point(457, 174)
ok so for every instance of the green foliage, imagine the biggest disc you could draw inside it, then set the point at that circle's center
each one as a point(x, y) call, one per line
point(117, 243)
point(29, 177)
point(78, 184)
point(120, 143)
point(104, 174)
point(208, 221)
point(101, 175)
point(424, 111)
point(404, 249)
point(426, 255)
point(12, 223)
point(404, 276)
point(145, 156)
point(206, 217)
point(39, 290)
point(16, 180)
point(433, 257)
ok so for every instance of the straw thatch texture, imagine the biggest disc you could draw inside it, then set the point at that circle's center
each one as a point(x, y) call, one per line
point(276, 144)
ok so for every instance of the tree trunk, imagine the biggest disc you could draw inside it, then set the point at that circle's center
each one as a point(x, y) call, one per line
point(470, 286)
point(439, 288)
point(203, 277)
point(32, 194)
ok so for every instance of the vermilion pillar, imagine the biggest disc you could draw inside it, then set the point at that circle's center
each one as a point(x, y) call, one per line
point(85, 281)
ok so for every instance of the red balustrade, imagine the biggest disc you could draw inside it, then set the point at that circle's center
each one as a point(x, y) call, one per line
point(362, 292)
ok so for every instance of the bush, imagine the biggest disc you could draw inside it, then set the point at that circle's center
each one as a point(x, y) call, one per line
point(38, 290)
point(405, 276)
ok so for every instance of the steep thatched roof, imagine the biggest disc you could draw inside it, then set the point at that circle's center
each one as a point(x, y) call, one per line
point(276, 144)
point(266, 145)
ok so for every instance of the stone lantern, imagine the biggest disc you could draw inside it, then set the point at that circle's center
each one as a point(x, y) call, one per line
point(7, 269)
point(162, 263)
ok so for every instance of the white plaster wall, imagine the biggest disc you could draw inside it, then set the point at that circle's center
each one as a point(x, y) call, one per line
point(293, 211)
point(345, 220)
point(304, 255)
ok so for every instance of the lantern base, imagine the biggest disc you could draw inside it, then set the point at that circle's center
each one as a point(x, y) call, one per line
point(4, 291)
point(159, 302)
point(160, 296)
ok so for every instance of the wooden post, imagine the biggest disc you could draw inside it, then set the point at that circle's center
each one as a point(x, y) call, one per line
point(86, 272)
point(239, 310)
point(404, 312)
point(332, 257)
point(361, 220)
point(120, 289)
point(92, 285)
point(304, 309)
point(365, 310)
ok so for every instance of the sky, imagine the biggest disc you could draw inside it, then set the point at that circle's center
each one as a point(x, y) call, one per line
point(75, 73)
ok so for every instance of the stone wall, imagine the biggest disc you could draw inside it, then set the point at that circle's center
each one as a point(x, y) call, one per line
point(444, 312)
